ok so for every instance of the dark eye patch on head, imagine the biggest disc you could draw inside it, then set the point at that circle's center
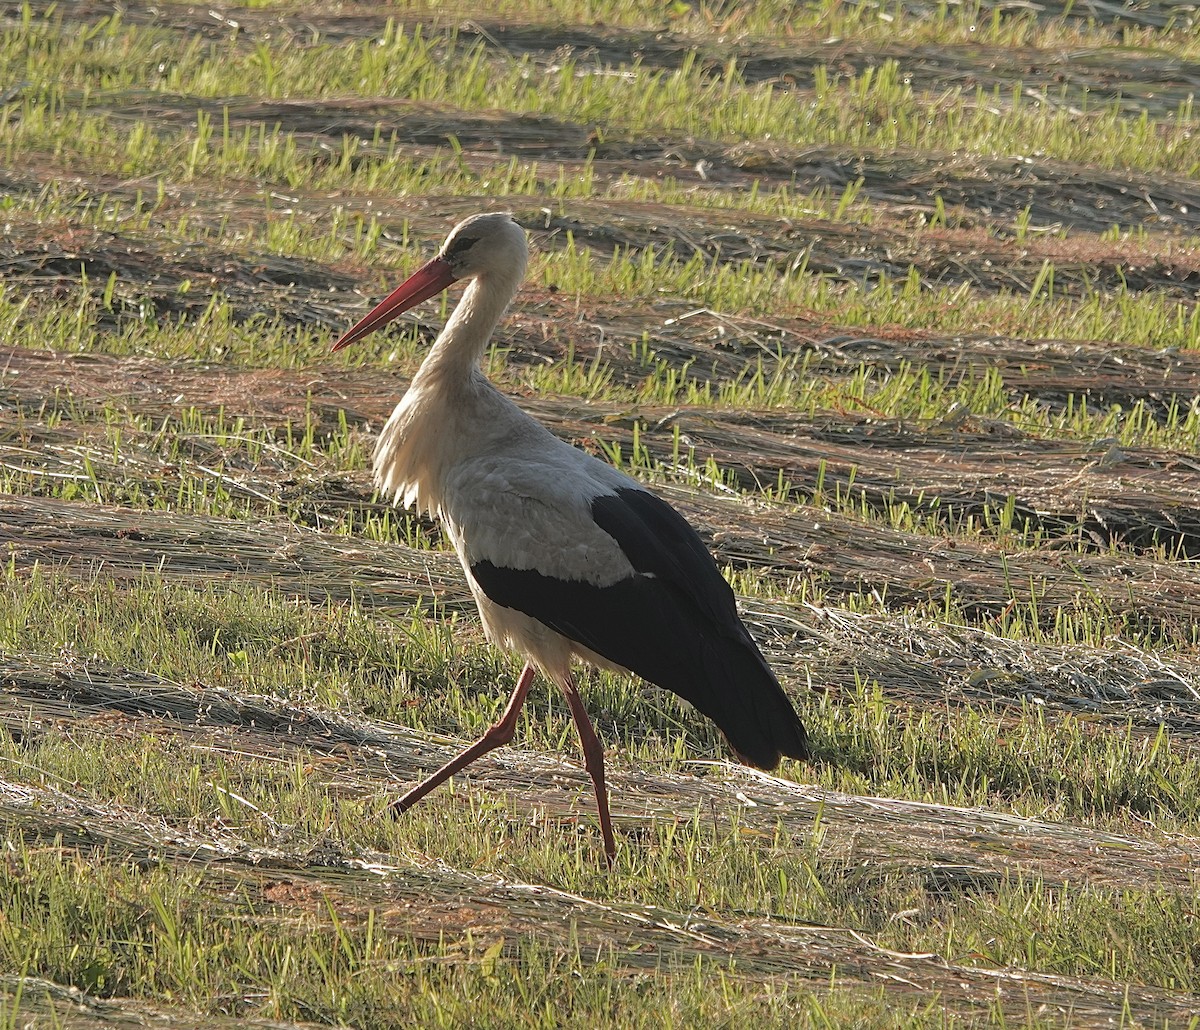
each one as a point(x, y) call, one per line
point(459, 246)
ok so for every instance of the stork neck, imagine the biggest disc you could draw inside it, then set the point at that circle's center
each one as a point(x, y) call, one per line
point(460, 345)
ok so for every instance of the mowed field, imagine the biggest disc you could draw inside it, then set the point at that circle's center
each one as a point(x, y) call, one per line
point(896, 302)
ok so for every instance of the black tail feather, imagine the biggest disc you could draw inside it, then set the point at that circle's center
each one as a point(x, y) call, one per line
point(738, 691)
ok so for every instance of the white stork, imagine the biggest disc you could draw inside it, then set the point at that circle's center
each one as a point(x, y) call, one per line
point(566, 556)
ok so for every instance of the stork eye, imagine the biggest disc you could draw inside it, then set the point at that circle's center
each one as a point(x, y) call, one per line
point(458, 246)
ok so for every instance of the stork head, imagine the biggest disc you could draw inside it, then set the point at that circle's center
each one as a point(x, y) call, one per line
point(491, 243)
point(489, 246)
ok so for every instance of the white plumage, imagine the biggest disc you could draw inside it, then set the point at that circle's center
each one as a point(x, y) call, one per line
point(565, 556)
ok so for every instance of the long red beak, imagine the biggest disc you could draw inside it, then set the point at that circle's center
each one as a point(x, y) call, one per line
point(427, 281)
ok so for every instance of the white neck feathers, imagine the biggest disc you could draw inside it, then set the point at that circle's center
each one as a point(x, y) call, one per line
point(430, 426)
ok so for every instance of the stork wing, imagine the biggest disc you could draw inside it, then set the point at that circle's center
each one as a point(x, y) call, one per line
point(672, 620)
point(661, 543)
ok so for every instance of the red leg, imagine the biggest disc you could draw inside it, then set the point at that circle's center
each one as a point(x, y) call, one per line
point(593, 761)
point(497, 735)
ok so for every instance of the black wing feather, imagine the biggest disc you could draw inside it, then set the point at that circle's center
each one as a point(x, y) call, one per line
point(674, 623)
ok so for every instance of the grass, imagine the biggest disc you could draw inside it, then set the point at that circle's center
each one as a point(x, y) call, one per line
point(430, 676)
point(877, 108)
point(935, 418)
point(164, 943)
point(784, 380)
